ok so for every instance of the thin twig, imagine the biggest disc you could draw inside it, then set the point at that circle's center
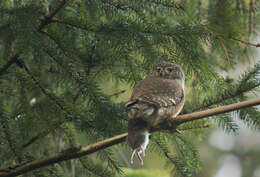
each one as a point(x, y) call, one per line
point(37, 83)
point(198, 127)
point(225, 50)
point(117, 93)
point(222, 99)
point(229, 36)
point(47, 18)
point(10, 61)
point(254, 9)
point(66, 22)
point(10, 142)
point(250, 19)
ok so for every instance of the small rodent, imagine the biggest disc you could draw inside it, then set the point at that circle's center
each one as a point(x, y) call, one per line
point(138, 137)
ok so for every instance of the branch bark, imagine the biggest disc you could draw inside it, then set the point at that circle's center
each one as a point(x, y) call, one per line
point(224, 98)
point(79, 152)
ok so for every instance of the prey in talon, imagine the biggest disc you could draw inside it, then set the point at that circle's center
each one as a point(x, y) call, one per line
point(138, 138)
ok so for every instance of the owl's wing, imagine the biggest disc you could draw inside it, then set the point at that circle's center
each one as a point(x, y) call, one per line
point(158, 92)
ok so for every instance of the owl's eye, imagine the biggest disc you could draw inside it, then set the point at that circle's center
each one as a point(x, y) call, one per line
point(170, 70)
point(158, 71)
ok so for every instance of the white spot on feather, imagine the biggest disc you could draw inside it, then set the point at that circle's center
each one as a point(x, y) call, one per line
point(172, 100)
point(149, 111)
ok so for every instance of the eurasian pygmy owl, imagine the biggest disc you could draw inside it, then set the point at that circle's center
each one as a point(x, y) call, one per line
point(160, 96)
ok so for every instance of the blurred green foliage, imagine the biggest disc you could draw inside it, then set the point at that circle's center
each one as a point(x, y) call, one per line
point(67, 68)
point(144, 173)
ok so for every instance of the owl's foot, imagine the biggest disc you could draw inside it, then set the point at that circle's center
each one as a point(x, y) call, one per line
point(143, 153)
point(138, 155)
point(132, 156)
point(177, 131)
point(171, 127)
point(140, 158)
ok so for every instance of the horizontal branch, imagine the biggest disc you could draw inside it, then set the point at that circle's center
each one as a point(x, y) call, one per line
point(224, 98)
point(76, 153)
point(67, 155)
point(239, 40)
point(215, 111)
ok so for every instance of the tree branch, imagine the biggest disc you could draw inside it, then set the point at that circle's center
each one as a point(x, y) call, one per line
point(229, 36)
point(67, 155)
point(224, 98)
point(47, 18)
point(45, 21)
point(215, 111)
point(79, 152)
point(10, 142)
point(10, 61)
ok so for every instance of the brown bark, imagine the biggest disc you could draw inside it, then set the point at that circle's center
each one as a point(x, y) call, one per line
point(76, 153)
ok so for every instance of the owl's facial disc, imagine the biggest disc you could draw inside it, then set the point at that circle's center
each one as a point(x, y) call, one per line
point(170, 70)
point(160, 72)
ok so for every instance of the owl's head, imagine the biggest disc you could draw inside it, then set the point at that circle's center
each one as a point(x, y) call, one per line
point(168, 70)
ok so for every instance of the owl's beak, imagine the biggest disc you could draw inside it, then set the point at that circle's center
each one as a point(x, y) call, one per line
point(162, 74)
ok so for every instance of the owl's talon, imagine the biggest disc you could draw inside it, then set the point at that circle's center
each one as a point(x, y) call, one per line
point(138, 155)
point(132, 161)
point(132, 156)
point(177, 131)
point(140, 158)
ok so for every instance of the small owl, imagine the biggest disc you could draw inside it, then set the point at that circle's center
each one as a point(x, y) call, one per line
point(160, 96)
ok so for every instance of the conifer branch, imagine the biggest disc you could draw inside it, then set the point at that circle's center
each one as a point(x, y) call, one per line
point(102, 28)
point(47, 18)
point(224, 49)
point(170, 5)
point(215, 111)
point(196, 127)
point(229, 36)
point(117, 93)
point(44, 22)
point(79, 152)
point(148, 31)
point(66, 22)
point(35, 138)
point(239, 40)
point(10, 142)
point(10, 61)
point(222, 99)
point(36, 82)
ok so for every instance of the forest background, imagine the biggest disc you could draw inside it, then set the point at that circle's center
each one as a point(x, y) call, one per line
point(68, 66)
